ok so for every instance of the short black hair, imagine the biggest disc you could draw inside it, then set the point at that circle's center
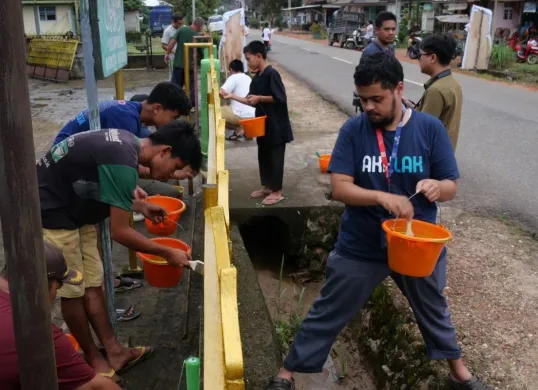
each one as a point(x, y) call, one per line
point(256, 47)
point(442, 45)
point(266, 25)
point(180, 136)
point(139, 98)
point(171, 97)
point(383, 16)
point(177, 17)
point(237, 66)
point(370, 22)
point(379, 68)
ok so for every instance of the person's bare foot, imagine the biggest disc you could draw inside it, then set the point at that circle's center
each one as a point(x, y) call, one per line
point(101, 366)
point(122, 357)
point(273, 198)
point(264, 191)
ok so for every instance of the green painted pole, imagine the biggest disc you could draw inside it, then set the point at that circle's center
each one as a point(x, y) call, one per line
point(192, 367)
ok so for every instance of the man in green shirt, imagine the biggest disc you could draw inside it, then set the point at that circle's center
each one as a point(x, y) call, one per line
point(184, 35)
point(442, 97)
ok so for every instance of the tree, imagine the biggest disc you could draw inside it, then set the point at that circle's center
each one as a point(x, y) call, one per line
point(204, 8)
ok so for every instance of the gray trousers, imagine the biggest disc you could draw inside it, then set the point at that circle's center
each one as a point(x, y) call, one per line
point(348, 285)
point(155, 187)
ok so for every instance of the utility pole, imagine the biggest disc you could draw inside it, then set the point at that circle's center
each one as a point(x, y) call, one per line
point(193, 10)
point(20, 212)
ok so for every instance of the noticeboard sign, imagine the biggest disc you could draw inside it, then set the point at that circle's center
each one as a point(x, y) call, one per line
point(108, 35)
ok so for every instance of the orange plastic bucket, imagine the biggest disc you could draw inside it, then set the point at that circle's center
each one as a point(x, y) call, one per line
point(157, 271)
point(254, 127)
point(73, 341)
point(418, 255)
point(324, 161)
point(174, 207)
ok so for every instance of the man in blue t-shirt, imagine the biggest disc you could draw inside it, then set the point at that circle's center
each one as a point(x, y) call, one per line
point(375, 189)
point(385, 30)
point(165, 103)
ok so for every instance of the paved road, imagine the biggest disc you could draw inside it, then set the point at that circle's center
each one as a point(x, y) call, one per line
point(499, 134)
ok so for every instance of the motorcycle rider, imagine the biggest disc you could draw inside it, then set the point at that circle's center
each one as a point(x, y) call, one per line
point(368, 32)
point(385, 29)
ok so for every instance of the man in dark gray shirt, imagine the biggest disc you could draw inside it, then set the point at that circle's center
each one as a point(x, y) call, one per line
point(385, 30)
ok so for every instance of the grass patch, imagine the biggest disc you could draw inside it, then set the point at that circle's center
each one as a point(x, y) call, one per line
point(287, 324)
point(525, 69)
point(155, 45)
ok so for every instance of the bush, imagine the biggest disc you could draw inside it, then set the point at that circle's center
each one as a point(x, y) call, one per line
point(403, 31)
point(254, 23)
point(502, 57)
point(280, 23)
point(133, 37)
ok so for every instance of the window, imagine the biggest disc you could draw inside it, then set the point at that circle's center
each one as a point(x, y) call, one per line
point(507, 13)
point(47, 13)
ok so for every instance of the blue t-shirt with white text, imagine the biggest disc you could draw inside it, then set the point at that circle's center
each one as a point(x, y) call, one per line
point(113, 114)
point(425, 152)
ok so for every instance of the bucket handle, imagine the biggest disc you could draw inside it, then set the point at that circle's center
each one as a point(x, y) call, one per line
point(409, 199)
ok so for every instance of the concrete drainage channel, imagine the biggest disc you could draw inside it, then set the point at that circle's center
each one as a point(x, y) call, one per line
point(280, 256)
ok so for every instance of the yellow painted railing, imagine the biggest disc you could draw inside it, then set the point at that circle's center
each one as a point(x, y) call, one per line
point(223, 353)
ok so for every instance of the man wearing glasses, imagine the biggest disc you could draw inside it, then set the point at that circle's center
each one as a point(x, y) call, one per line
point(442, 97)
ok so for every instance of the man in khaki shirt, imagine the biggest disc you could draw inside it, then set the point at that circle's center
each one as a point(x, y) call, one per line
point(442, 97)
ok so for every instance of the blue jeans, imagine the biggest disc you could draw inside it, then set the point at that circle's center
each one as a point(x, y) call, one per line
point(179, 79)
point(348, 285)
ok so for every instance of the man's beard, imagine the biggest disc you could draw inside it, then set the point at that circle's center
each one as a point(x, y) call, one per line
point(380, 122)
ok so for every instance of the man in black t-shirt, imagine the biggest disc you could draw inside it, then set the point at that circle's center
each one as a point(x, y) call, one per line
point(268, 94)
point(86, 178)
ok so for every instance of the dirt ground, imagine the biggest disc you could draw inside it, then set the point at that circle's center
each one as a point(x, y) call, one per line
point(492, 277)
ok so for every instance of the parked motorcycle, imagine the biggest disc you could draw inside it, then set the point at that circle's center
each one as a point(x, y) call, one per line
point(413, 50)
point(528, 52)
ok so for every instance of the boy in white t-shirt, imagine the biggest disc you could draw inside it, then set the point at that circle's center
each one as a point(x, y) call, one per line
point(237, 83)
point(168, 34)
point(266, 36)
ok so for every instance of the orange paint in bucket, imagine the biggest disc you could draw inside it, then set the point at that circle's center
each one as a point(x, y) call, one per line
point(324, 161)
point(157, 272)
point(414, 256)
point(174, 207)
point(254, 127)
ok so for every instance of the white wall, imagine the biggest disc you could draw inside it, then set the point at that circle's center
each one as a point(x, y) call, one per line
point(132, 21)
point(62, 24)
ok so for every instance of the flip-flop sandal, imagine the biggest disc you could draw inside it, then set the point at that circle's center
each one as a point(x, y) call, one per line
point(475, 383)
point(110, 375)
point(127, 284)
point(145, 353)
point(277, 383)
point(259, 194)
point(235, 137)
point(272, 201)
point(123, 316)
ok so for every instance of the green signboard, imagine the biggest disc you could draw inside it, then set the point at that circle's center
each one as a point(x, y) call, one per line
point(108, 34)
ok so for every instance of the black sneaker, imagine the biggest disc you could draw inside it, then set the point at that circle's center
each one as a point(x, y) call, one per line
point(277, 383)
point(474, 383)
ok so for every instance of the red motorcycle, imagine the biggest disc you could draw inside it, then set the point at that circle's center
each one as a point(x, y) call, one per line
point(528, 52)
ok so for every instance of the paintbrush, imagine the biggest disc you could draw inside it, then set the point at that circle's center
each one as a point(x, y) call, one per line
point(197, 266)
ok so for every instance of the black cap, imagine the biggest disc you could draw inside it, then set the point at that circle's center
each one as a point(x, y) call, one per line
point(57, 267)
